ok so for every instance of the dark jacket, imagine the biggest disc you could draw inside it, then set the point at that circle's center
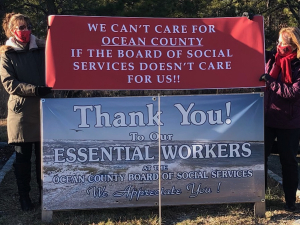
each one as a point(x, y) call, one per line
point(282, 101)
point(22, 70)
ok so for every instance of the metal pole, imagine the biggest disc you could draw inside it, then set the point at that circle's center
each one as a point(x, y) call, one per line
point(159, 160)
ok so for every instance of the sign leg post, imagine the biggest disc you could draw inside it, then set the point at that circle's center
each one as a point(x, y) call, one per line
point(260, 209)
point(47, 215)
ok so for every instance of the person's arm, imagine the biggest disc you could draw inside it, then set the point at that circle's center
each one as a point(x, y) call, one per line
point(10, 82)
point(287, 91)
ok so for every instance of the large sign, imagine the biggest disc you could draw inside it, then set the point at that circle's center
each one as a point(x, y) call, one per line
point(154, 53)
point(104, 152)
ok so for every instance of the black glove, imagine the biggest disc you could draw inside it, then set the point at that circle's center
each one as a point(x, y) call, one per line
point(265, 77)
point(42, 91)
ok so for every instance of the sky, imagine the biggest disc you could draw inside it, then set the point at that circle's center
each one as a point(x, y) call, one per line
point(197, 117)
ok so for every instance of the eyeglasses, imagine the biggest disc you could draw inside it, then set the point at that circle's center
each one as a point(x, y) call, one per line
point(24, 27)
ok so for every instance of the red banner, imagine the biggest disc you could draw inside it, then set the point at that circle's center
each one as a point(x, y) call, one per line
point(123, 53)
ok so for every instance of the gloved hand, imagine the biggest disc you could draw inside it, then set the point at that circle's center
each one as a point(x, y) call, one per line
point(265, 77)
point(42, 90)
point(249, 15)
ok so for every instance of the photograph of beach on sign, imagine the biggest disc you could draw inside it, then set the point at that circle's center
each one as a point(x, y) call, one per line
point(104, 152)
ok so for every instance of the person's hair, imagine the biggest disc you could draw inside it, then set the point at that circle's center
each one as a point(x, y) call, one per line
point(10, 20)
point(293, 37)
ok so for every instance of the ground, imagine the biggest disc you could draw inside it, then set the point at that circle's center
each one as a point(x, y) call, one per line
point(233, 214)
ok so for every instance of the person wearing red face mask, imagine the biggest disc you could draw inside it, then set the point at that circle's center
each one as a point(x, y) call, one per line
point(282, 108)
point(22, 71)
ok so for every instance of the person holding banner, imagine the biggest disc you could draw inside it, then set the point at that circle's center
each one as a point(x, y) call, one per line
point(282, 108)
point(22, 72)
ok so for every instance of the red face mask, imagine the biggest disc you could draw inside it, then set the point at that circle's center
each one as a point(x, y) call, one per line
point(22, 35)
point(284, 50)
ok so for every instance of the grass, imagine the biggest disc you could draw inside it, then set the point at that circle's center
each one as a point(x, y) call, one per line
point(223, 214)
point(3, 131)
point(231, 214)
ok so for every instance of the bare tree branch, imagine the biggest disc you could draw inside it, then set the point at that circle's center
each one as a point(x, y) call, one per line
point(291, 7)
point(274, 8)
point(33, 6)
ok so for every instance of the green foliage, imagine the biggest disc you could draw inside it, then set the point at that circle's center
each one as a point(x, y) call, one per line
point(277, 13)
